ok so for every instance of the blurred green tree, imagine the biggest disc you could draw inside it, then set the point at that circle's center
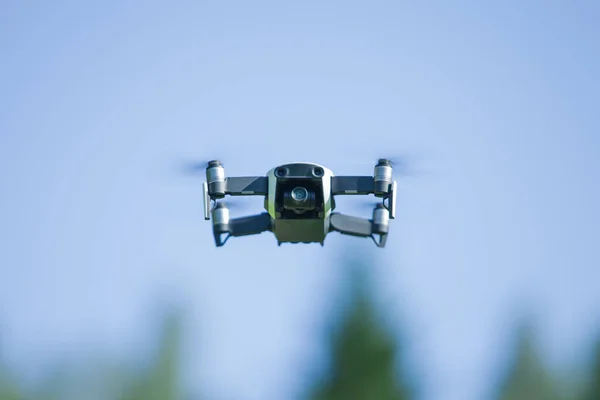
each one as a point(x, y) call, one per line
point(363, 353)
point(161, 380)
point(592, 390)
point(527, 377)
point(8, 387)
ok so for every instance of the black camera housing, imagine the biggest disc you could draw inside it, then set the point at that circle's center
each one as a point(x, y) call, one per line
point(292, 176)
point(299, 206)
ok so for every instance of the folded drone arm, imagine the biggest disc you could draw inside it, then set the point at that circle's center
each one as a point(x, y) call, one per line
point(351, 185)
point(250, 225)
point(234, 186)
point(243, 226)
point(355, 226)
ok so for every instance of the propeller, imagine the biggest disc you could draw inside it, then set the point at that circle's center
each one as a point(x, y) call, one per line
point(196, 167)
point(397, 160)
point(403, 164)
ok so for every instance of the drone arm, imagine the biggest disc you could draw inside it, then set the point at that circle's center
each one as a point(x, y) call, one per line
point(251, 225)
point(234, 186)
point(247, 186)
point(352, 185)
point(349, 225)
point(361, 227)
point(343, 185)
point(243, 226)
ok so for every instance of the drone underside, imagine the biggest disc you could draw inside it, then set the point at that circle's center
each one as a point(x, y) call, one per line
point(299, 200)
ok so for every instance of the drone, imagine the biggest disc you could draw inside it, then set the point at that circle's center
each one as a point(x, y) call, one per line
point(299, 199)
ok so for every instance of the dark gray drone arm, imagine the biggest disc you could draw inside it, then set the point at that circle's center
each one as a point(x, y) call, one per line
point(238, 186)
point(247, 186)
point(351, 185)
point(361, 227)
point(234, 186)
point(243, 226)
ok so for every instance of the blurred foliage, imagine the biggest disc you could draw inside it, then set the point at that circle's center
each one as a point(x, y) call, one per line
point(363, 353)
point(528, 378)
point(363, 363)
point(8, 386)
point(161, 381)
point(159, 378)
point(592, 391)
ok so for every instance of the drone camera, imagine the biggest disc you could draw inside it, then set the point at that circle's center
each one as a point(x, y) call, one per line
point(299, 194)
point(215, 176)
point(382, 178)
point(299, 191)
point(299, 199)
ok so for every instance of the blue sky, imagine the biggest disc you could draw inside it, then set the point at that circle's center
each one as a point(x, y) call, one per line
point(100, 102)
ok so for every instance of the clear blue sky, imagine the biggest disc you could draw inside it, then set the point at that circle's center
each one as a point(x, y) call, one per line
point(99, 102)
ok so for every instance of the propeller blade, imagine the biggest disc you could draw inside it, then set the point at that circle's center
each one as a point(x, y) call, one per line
point(406, 162)
point(404, 165)
point(196, 167)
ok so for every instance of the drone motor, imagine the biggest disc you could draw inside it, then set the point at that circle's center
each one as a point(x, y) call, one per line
point(220, 218)
point(215, 177)
point(382, 178)
point(381, 219)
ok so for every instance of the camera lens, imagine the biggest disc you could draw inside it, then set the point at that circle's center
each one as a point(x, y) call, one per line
point(318, 172)
point(299, 194)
